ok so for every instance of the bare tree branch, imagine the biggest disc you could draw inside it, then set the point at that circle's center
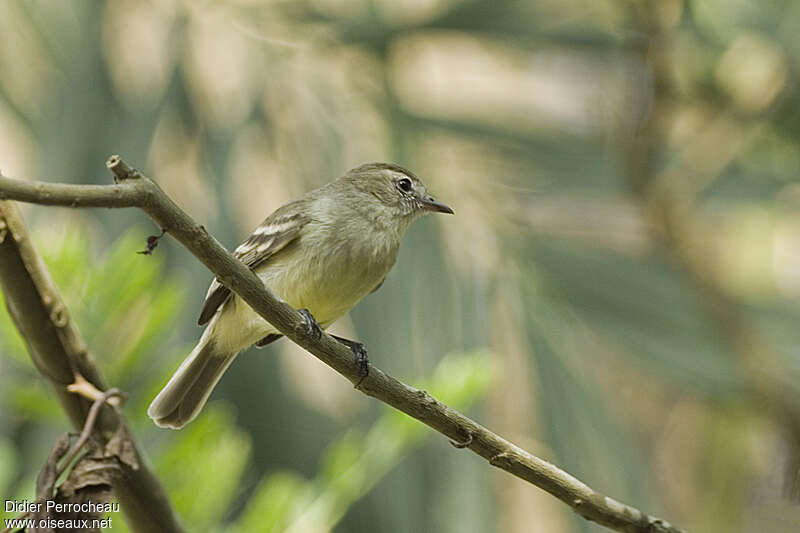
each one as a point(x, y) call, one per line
point(59, 353)
point(135, 190)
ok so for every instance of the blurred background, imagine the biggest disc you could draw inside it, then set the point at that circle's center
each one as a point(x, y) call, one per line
point(617, 293)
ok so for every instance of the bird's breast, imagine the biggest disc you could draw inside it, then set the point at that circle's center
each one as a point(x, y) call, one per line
point(329, 274)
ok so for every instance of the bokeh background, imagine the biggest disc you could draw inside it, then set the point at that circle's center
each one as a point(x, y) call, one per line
point(618, 291)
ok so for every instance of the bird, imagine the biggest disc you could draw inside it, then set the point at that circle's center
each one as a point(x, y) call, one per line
point(321, 254)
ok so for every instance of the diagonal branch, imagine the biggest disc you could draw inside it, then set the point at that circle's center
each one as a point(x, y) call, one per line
point(135, 190)
point(59, 353)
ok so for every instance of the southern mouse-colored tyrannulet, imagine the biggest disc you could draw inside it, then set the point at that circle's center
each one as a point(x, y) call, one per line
point(321, 253)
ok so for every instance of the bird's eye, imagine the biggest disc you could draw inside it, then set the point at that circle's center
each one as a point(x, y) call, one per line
point(404, 184)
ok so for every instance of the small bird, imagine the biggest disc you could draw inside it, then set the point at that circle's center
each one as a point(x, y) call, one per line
point(321, 254)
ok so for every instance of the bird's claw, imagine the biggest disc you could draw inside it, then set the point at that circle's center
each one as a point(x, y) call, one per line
point(361, 360)
point(313, 330)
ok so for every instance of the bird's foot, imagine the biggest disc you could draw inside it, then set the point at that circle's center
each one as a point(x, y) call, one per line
point(360, 358)
point(313, 329)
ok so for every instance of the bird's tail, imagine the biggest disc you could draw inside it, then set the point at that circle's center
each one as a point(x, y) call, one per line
point(190, 386)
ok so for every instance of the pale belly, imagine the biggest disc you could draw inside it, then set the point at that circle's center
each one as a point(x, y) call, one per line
point(327, 288)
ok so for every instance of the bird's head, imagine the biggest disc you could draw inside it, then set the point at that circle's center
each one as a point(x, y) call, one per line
point(396, 188)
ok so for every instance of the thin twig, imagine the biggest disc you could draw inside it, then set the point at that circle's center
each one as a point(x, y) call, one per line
point(88, 427)
point(135, 190)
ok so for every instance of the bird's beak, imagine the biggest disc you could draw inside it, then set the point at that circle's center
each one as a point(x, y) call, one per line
point(432, 204)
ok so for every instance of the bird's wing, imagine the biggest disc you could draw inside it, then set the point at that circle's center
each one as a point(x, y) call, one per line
point(271, 236)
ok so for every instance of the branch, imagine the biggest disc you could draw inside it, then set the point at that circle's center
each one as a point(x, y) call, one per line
point(135, 190)
point(59, 353)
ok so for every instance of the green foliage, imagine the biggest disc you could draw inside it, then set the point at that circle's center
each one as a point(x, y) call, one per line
point(356, 461)
point(201, 468)
point(8, 465)
point(123, 306)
